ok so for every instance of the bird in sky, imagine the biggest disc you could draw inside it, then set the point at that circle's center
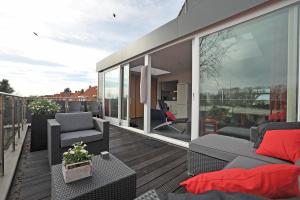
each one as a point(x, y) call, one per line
point(114, 15)
point(35, 34)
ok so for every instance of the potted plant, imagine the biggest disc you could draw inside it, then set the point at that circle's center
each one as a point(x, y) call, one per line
point(41, 110)
point(77, 163)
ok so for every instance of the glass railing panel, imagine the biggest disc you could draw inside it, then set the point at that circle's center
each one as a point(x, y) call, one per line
point(12, 124)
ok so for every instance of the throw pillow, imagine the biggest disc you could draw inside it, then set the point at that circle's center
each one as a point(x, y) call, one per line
point(271, 181)
point(282, 144)
point(274, 126)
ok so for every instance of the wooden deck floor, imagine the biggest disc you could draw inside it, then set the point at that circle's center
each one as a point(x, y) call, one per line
point(158, 165)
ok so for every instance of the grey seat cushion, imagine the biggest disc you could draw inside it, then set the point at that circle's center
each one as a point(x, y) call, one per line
point(75, 121)
point(214, 195)
point(245, 163)
point(86, 136)
point(238, 132)
point(228, 148)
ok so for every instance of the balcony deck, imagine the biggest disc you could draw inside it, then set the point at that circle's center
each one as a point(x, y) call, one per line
point(158, 165)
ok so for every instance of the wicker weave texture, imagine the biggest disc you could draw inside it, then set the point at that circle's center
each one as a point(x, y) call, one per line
point(111, 180)
point(150, 195)
point(200, 163)
point(55, 151)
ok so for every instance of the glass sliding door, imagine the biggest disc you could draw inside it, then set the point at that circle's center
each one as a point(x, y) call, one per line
point(112, 94)
point(124, 94)
point(248, 74)
point(100, 92)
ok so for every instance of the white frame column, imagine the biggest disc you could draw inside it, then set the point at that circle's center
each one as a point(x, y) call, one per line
point(101, 89)
point(292, 65)
point(122, 121)
point(298, 106)
point(195, 88)
point(147, 105)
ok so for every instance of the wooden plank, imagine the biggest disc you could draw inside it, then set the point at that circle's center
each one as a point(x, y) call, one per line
point(158, 165)
point(121, 141)
point(165, 178)
point(135, 150)
point(146, 155)
point(128, 148)
point(155, 159)
point(125, 144)
point(173, 185)
point(160, 171)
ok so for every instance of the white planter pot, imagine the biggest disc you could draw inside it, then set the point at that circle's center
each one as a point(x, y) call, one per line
point(77, 171)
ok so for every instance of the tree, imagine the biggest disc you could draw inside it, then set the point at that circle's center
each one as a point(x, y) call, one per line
point(67, 90)
point(82, 91)
point(5, 86)
point(212, 50)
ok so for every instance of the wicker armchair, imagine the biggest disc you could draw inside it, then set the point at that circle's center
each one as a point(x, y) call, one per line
point(69, 128)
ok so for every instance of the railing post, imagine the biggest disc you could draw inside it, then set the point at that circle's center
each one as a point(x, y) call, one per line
point(22, 113)
point(1, 135)
point(66, 105)
point(13, 123)
point(18, 116)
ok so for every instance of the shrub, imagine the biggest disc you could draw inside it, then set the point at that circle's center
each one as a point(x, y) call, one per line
point(42, 106)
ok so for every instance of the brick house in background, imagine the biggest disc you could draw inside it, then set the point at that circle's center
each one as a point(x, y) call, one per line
point(90, 94)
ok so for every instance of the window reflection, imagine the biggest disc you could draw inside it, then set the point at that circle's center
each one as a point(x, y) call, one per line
point(244, 75)
point(111, 94)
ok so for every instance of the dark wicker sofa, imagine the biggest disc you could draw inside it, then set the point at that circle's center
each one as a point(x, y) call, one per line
point(214, 152)
point(69, 128)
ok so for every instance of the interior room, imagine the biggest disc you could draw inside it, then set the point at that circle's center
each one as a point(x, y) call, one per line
point(171, 77)
point(136, 108)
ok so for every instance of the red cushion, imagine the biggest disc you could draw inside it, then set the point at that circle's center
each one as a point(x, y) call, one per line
point(170, 116)
point(282, 116)
point(272, 181)
point(282, 144)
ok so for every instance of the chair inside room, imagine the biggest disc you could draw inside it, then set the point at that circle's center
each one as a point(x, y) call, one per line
point(169, 119)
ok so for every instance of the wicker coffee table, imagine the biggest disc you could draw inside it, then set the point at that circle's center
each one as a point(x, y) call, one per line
point(111, 179)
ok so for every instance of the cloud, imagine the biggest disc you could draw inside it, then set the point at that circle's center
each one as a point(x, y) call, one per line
point(22, 59)
point(73, 36)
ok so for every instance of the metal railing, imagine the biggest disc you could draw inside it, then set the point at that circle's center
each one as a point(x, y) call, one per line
point(71, 104)
point(12, 120)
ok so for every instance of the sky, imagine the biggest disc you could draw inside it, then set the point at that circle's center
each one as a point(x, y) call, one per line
point(72, 36)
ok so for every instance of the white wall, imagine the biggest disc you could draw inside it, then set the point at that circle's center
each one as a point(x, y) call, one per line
point(184, 77)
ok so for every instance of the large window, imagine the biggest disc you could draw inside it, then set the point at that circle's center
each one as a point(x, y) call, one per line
point(100, 93)
point(248, 73)
point(111, 95)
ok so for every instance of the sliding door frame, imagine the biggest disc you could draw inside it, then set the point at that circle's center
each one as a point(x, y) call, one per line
point(113, 120)
point(122, 121)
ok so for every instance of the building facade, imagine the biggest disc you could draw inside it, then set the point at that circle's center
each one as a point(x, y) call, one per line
point(223, 66)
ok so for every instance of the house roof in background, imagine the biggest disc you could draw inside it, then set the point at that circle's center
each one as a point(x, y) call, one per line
point(90, 92)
